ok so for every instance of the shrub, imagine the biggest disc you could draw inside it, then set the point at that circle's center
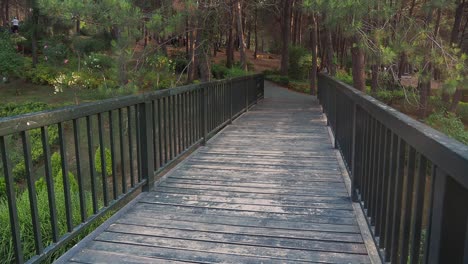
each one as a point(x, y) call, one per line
point(10, 61)
point(390, 97)
point(462, 111)
point(449, 124)
point(219, 71)
point(99, 62)
point(303, 87)
point(97, 158)
point(279, 79)
point(344, 77)
point(235, 72)
point(55, 53)
point(298, 63)
point(43, 74)
point(86, 45)
point(12, 109)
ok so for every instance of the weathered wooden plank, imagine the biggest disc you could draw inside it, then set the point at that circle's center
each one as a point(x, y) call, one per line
point(254, 225)
point(278, 197)
point(238, 250)
point(273, 185)
point(163, 208)
point(99, 256)
point(236, 236)
point(277, 174)
point(265, 168)
point(180, 254)
point(313, 191)
point(248, 178)
point(165, 197)
point(261, 161)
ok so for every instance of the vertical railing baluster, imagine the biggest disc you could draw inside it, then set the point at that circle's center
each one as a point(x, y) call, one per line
point(146, 136)
point(392, 170)
point(179, 123)
point(130, 147)
point(160, 116)
point(50, 183)
point(380, 179)
point(399, 177)
point(435, 227)
point(156, 133)
point(11, 199)
point(113, 154)
point(167, 133)
point(204, 114)
point(138, 143)
point(385, 182)
point(32, 192)
point(122, 151)
point(79, 174)
point(173, 127)
point(92, 168)
point(408, 198)
point(416, 220)
point(66, 181)
point(102, 154)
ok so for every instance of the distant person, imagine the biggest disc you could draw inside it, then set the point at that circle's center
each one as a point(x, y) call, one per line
point(15, 25)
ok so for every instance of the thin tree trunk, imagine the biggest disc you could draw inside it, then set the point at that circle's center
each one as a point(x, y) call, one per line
point(249, 34)
point(375, 77)
point(34, 40)
point(191, 52)
point(243, 57)
point(256, 34)
point(359, 75)
point(286, 36)
point(313, 40)
point(230, 44)
point(426, 76)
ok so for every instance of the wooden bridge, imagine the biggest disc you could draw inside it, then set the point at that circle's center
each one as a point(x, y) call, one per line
point(264, 177)
point(266, 189)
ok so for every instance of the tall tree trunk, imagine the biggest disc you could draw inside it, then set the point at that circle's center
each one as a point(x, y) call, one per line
point(256, 34)
point(243, 57)
point(230, 44)
point(358, 58)
point(249, 34)
point(454, 39)
point(191, 51)
point(286, 35)
point(34, 40)
point(424, 85)
point(313, 40)
point(375, 77)
point(299, 30)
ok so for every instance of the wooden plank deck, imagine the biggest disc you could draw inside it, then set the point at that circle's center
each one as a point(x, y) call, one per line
point(267, 189)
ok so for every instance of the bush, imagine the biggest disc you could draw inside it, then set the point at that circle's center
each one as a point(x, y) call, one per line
point(279, 79)
point(219, 71)
point(24, 213)
point(462, 111)
point(235, 72)
point(298, 67)
point(55, 53)
point(390, 97)
point(43, 74)
point(303, 87)
point(449, 124)
point(12, 109)
point(344, 77)
point(86, 45)
point(99, 62)
point(10, 61)
point(108, 156)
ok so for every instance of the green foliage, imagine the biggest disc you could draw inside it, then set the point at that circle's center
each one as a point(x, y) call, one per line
point(98, 62)
point(235, 72)
point(449, 124)
point(462, 111)
point(10, 61)
point(344, 77)
point(279, 79)
point(108, 157)
point(390, 96)
point(300, 63)
point(55, 53)
point(86, 45)
point(44, 74)
point(300, 86)
point(219, 71)
point(12, 109)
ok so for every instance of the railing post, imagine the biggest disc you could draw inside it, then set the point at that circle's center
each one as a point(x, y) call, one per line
point(246, 96)
point(230, 100)
point(146, 144)
point(204, 114)
point(354, 155)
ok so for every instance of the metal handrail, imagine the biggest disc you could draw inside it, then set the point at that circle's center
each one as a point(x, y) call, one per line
point(138, 137)
point(410, 179)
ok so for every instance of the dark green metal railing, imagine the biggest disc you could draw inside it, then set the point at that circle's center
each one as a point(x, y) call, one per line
point(112, 149)
point(411, 180)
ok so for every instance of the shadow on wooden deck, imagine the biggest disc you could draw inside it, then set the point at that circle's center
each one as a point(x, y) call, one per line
point(266, 189)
